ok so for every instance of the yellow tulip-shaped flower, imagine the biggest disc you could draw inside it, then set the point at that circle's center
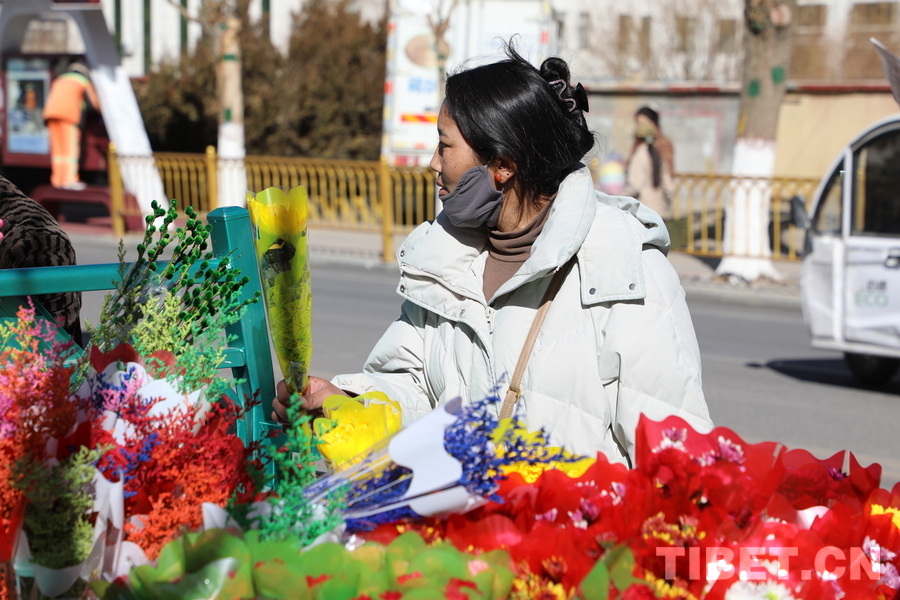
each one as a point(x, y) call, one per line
point(280, 223)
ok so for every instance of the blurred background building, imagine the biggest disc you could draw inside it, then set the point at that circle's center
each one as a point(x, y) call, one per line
point(683, 57)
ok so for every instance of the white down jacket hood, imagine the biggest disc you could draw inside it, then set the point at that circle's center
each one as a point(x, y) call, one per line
point(616, 343)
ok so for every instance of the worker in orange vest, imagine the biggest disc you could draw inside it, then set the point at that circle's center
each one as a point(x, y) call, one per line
point(67, 101)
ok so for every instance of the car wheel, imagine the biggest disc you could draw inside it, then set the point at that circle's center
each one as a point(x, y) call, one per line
point(871, 370)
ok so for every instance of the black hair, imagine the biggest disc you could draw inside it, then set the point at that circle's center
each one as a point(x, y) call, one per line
point(509, 110)
point(649, 113)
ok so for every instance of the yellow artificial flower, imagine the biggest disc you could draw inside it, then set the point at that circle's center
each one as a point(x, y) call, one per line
point(531, 471)
point(353, 425)
point(527, 586)
point(668, 589)
point(272, 210)
point(279, 222)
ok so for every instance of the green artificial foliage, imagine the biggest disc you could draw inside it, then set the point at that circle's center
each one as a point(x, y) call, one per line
point(292, 515)
point(616, 568)
point(220, 564)
point(59, 502)
point(208, 291)
point(183, 305)
point(162, 328)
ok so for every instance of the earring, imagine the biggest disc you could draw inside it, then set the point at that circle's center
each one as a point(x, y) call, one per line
point(498, 177)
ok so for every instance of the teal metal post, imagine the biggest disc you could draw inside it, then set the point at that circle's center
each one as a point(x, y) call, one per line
point(231, 236)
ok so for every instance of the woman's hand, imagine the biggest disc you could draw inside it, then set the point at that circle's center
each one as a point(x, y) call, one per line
point(317, 390)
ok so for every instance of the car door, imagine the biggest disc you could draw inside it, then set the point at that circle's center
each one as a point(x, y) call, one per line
point(871, 295)
point(823, 263)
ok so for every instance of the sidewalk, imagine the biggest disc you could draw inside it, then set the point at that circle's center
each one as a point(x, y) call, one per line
point(333, 246)
point(698, 277)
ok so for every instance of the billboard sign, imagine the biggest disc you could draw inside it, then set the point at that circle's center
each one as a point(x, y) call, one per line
point(27, 85)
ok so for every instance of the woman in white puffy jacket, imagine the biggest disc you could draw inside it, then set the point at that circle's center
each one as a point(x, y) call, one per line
point(518, 206)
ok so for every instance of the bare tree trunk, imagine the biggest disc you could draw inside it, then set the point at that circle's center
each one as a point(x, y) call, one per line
point(232, 173)
point(220, 21)
point(439, 26)
point(230, 91)
point(768, 30)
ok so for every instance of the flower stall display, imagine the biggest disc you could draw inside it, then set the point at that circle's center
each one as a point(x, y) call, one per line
point(122, 478)
point(699, 516)
point(299, 541)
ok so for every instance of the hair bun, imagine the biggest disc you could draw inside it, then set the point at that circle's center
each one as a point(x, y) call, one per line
point(555, 71)
point(555, 68)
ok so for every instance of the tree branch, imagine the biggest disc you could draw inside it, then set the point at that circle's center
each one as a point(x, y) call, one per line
point(184, 11)
point(205, 23)
point(440, 27)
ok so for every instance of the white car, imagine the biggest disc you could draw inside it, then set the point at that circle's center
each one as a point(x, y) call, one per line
point(850, 279)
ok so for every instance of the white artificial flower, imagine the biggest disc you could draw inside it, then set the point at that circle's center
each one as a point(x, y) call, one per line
point(758, 590)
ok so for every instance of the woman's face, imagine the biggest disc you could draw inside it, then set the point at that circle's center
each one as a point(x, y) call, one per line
point(453, 155)
point(644, 126)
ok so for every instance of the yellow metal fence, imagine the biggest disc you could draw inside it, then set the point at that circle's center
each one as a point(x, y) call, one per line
point(701, 200)
point(350, 195)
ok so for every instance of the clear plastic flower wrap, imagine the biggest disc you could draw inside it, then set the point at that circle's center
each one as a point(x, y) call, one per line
point(447, 461)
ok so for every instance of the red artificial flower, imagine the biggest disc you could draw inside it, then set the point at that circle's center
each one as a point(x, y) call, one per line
point(489, 532)
point(314, 581)
point(638, 592)
point(401, 579)
point(123, 353)
point(454, 589)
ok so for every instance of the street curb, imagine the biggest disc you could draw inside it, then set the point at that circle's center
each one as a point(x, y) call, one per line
point(748, 297)
point(365, 262)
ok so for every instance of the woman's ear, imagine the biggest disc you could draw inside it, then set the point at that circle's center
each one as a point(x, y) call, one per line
point(502, 170)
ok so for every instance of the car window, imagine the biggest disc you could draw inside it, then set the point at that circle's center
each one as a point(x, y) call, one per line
point(828, 213)
point(876, 186)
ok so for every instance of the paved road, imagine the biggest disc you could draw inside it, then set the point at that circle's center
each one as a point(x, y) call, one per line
point(760, 376)
point(762, 379)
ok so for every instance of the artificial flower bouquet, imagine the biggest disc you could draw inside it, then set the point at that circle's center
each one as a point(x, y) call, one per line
point(105, 462)
point(447, 461)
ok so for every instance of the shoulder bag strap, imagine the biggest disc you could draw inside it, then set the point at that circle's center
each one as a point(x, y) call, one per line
point(514, 391)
